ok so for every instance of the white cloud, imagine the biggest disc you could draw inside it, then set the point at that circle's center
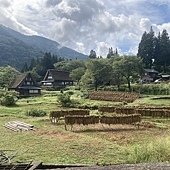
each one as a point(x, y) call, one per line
point(80, 47)
point(5, 3)
point(102, 47)
point(88, 24)
point(145, 24)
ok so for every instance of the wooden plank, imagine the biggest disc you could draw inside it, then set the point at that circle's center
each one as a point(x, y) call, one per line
point(18, 126)
point(26, 124)
point(11, 128)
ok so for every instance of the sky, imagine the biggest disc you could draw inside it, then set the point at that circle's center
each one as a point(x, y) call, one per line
point(85, 25)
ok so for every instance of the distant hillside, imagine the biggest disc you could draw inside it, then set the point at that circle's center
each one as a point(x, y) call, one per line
point(16, 48)
point(15, 52)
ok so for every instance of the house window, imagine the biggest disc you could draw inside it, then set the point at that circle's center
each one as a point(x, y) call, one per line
point(48, 83)
point(28, 78)
point(49, 77)
point(28, 83)
point(33, 91)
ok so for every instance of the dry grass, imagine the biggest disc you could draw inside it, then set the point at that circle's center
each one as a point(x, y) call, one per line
point(92, 144)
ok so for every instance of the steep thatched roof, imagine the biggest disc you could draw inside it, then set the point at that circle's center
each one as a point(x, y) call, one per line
point(58, 75)
point(19, 79)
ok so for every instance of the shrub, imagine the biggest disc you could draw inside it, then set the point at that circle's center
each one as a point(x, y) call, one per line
point(36, 113)
point(70, 92)
point(7, 100)
point(64, 99)
point(84, 94)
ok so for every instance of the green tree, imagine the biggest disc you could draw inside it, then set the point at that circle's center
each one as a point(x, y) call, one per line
point(164, 59)
point(116, 77)
point(69, 65)
point(92, 54)
point(111, 53)
point(157, 53)
point(77, 73)
point(43, 65)
point(87, 79)
point(146, 48)
point(7, 75)
point(98, 71)
point(33, 63)
point(47, 61)
point(129, 67)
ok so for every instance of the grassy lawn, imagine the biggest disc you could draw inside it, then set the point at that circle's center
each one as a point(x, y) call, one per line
point(92, 144)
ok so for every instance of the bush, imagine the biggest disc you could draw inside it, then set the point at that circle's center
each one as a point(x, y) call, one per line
point(36, 113)
point(70, 92)
point(7, 100)
point(84, 94)
point(64, 99)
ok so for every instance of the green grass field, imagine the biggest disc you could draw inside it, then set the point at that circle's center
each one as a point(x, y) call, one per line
point(92, 144)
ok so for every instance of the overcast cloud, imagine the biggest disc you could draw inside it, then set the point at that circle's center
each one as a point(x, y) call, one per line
point(88, 24)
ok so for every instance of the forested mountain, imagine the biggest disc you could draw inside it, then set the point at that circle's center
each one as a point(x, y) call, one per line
point(13, 51)
point(16, 48)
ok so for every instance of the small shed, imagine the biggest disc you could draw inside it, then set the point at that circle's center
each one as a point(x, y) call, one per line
point(25, 85)
point(55, 77)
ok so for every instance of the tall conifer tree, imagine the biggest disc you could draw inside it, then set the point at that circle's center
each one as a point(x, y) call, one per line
point(164, 59)
point(146, 48)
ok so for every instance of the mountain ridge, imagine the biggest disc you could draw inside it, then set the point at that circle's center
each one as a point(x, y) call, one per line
point(17, 48)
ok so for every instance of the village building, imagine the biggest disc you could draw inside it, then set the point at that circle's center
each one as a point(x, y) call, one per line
point(25, 85)
point(54, 78)
point(150, 75)
point(165, 77)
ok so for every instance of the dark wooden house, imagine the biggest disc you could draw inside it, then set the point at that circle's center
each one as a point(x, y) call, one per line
point(150, 75)
point(55, 78)
point(25, 85)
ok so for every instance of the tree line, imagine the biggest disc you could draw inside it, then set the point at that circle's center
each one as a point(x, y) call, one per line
point(116, 70)
point(95, 72)
point(155, 50)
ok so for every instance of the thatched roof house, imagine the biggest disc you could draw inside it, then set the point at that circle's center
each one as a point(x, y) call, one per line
point(25, 85)
point(55, 77)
